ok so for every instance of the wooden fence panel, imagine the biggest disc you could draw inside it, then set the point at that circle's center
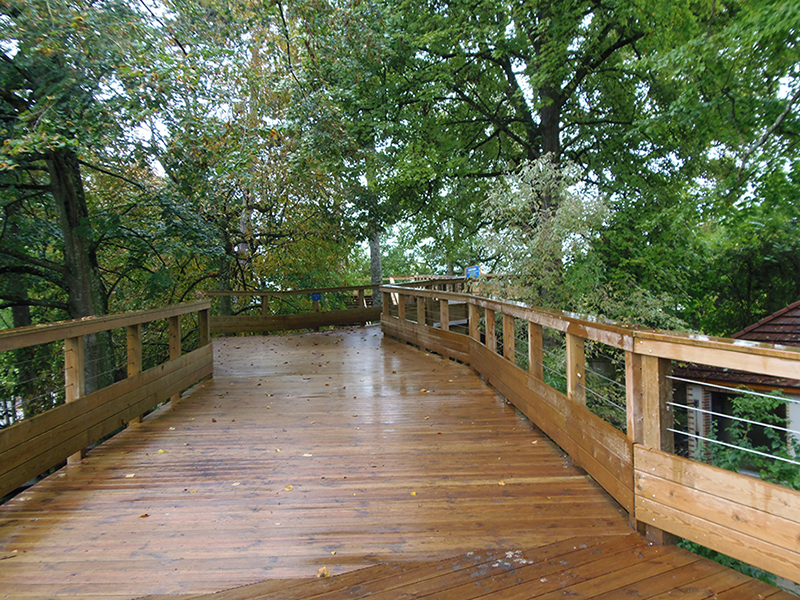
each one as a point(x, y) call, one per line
point(603, 451)
point(741, 516)
point(446, 343)
point(32, 446)
point(312, 320)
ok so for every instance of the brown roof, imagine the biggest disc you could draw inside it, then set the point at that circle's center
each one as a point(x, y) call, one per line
point(781, 328)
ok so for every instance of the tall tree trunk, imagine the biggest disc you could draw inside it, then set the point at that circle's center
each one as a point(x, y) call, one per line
point(87, 296)
point(224, 283)
point(375, 270)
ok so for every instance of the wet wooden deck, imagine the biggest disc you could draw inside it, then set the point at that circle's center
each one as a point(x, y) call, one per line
point(337, 449)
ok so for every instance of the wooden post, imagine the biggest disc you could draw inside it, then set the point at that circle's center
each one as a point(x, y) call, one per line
point(401, 307)
point(315, 304)
point(633, 396)
point(444, 315)
point(576, 372)
point(657, 419)
point(204, 332)
point(175, 345)
point(362, 303)
point(421, 307)
point(264, 305)
point(535, 351)
point(474, 321)
point(74, 379)
point(387, 303)
point(509, 335)
point(491, 334)
point(203, 328)
point(134, 348)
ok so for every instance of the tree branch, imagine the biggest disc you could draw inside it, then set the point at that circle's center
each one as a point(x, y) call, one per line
point(42, 263)
point(770, 130)
point(12, 300)
point(112, 174)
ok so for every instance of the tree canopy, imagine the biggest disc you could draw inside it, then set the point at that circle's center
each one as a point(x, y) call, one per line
point(153, 148)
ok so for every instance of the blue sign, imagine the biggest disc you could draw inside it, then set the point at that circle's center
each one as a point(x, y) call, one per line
point(316, 297)
point(474, 272)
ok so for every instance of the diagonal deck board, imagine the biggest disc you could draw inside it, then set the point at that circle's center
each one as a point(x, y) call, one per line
point(393, 455)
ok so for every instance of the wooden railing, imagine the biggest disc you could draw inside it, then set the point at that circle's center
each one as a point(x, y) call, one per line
point(664, 494)
point(32, 446)
point(310, 314)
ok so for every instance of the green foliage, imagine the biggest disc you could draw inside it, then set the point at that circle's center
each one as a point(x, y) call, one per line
point(769, 441)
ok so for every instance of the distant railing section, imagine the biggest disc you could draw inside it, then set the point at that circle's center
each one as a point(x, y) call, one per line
point(634, 460)
point(265, 311)
point(31, 446)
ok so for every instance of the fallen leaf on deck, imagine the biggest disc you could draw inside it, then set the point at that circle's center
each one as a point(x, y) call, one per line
point(501, 482)
point(162, 451)
point(413, 493)
point(426, 418)
point(235, 484)
point(269, 407)
point(172, 429)
point(144, 516)
point(323, 573)
point(277, 449)
point(129, 475)
point(287, 488)
point(307, 455)
point(213, 420)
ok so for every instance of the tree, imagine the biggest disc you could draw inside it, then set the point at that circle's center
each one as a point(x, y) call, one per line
point(58, 94)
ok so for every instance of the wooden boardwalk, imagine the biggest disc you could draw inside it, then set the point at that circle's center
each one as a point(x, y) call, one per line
point(342, 450)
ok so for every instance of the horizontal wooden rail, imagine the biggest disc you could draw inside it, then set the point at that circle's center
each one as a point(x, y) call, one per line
point(23, 337)
point(32, 446)
point(267, 321)
point(664, 494)
point(276, 293)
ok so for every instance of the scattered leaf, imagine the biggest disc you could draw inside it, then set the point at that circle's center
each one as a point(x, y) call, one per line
point(307, 455)
point(144, 516)
point(129, 475)
point(334, 552)
point(172, 429)
point(323, 573)
point(426, 418)
point(501, 482)
point(277, 449)
point(192, 491)
point(413, 493)
point(213, 420)
point(162, 451)
point(287, 488)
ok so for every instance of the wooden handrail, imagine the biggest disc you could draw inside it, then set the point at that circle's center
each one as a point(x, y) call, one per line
point(303, 292)
point(23, 337)
point(746, 518)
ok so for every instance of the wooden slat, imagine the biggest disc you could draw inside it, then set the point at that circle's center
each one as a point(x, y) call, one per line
point(740, 516)
point(22, 337)
point(259, 324)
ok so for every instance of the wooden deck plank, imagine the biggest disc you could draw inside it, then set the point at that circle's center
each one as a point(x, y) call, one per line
point(392, 455)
